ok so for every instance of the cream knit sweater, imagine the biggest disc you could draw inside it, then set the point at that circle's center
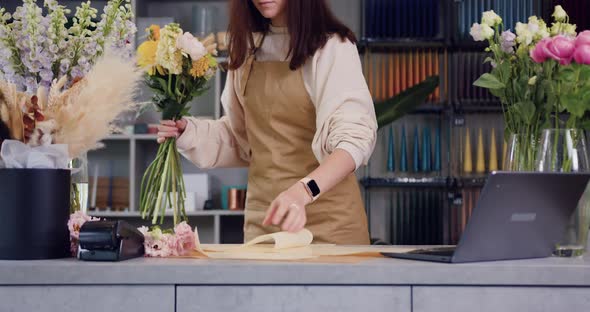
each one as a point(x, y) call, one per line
point(333, 78)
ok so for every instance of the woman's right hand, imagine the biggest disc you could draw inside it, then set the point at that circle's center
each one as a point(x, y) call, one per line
point(170, 129)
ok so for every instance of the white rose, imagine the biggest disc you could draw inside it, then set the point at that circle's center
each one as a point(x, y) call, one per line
point(191, 46)
point(490, 18)
point(559, 14)
point(481, 32)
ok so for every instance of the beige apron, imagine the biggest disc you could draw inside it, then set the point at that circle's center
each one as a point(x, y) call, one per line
point(280, 125)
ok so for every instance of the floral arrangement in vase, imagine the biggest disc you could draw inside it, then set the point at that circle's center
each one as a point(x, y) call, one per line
point(539, 73)
point(56, 80)
point(178, 67)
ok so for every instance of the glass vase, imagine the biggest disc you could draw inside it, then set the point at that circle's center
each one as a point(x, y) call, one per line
point(79, 184)
point(564, 150)
point(520, 153)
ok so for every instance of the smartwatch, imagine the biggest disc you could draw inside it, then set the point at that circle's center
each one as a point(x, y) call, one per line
point(311, 187)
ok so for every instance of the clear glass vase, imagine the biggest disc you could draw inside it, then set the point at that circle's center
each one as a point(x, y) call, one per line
point(79, 184)
point(564, 150)
point(520, 153)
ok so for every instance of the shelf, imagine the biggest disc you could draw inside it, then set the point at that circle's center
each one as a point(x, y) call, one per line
point(137, 214)
point(402, 43)
point(468, 44)
point(405, 182)
point(477, 106)
point(430, 108)
point(127, 137)
point(479, 110)
point(476, 181)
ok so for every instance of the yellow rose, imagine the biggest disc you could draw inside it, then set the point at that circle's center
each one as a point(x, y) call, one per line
point(146, 56)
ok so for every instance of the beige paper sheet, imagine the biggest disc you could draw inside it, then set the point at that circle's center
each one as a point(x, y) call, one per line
point(290, 246)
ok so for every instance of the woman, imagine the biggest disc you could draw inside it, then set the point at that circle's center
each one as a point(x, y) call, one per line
point(298, 114)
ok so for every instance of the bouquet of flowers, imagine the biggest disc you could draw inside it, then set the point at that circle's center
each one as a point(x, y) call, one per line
point(36, 49)
point(538, 73)
point(56, 79)
point(178, 67)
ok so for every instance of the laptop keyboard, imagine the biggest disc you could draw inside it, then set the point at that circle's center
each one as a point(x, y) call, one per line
point(439, 251)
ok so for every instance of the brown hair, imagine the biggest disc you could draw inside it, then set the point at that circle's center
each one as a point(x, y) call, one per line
point(310, 24)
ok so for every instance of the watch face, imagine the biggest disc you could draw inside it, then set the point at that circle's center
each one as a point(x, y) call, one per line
point(313, 187)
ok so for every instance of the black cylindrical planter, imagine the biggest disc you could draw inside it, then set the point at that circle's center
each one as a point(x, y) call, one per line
point(34, 212)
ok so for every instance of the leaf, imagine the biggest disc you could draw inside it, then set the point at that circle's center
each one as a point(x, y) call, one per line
point(573, 104)
point(584, 73)
point(567, 74)
point(489, 81)
point(504, 68)
point(497, 92)
point(396, 107)
point(526, 111)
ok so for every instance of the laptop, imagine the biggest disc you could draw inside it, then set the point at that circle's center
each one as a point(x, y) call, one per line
point(519, 215)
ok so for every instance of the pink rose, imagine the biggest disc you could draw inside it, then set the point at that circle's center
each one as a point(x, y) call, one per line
point(539, 52)
point(561, 48)
point(583, 38)
point(582, 54)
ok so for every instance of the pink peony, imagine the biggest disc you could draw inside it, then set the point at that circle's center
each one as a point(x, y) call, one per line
point(185, 236)
point(539, 52)
point(582, 54)
point(561, 48)
point(583, 38)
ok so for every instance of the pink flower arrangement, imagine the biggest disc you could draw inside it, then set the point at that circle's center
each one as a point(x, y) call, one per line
point(77, 219)
point(160, 244)
point(563, 49)
point(157, 243)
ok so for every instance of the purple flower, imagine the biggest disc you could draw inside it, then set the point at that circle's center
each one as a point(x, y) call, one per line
point(53, 48)
point(508, 41)
point(77, 72)
point(46, 75)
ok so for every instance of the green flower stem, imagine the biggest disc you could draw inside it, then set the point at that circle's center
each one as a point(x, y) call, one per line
point(163, 185)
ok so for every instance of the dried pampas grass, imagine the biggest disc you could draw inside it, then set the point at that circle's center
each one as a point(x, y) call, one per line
point(82, 115)
point(11, 112)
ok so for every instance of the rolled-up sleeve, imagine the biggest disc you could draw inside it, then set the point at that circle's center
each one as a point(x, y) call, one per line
point(344, 106)
point(217, 143)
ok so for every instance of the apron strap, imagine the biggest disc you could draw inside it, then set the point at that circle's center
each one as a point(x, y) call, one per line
point(247, 68)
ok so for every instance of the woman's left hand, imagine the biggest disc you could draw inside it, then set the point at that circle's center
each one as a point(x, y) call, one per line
point(288, 209)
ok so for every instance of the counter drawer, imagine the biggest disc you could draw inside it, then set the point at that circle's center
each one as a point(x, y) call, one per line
point(505, 299)
point(292, 298)
point(86, 298)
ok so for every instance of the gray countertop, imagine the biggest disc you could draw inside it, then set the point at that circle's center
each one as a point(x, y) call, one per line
point(385, 271)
